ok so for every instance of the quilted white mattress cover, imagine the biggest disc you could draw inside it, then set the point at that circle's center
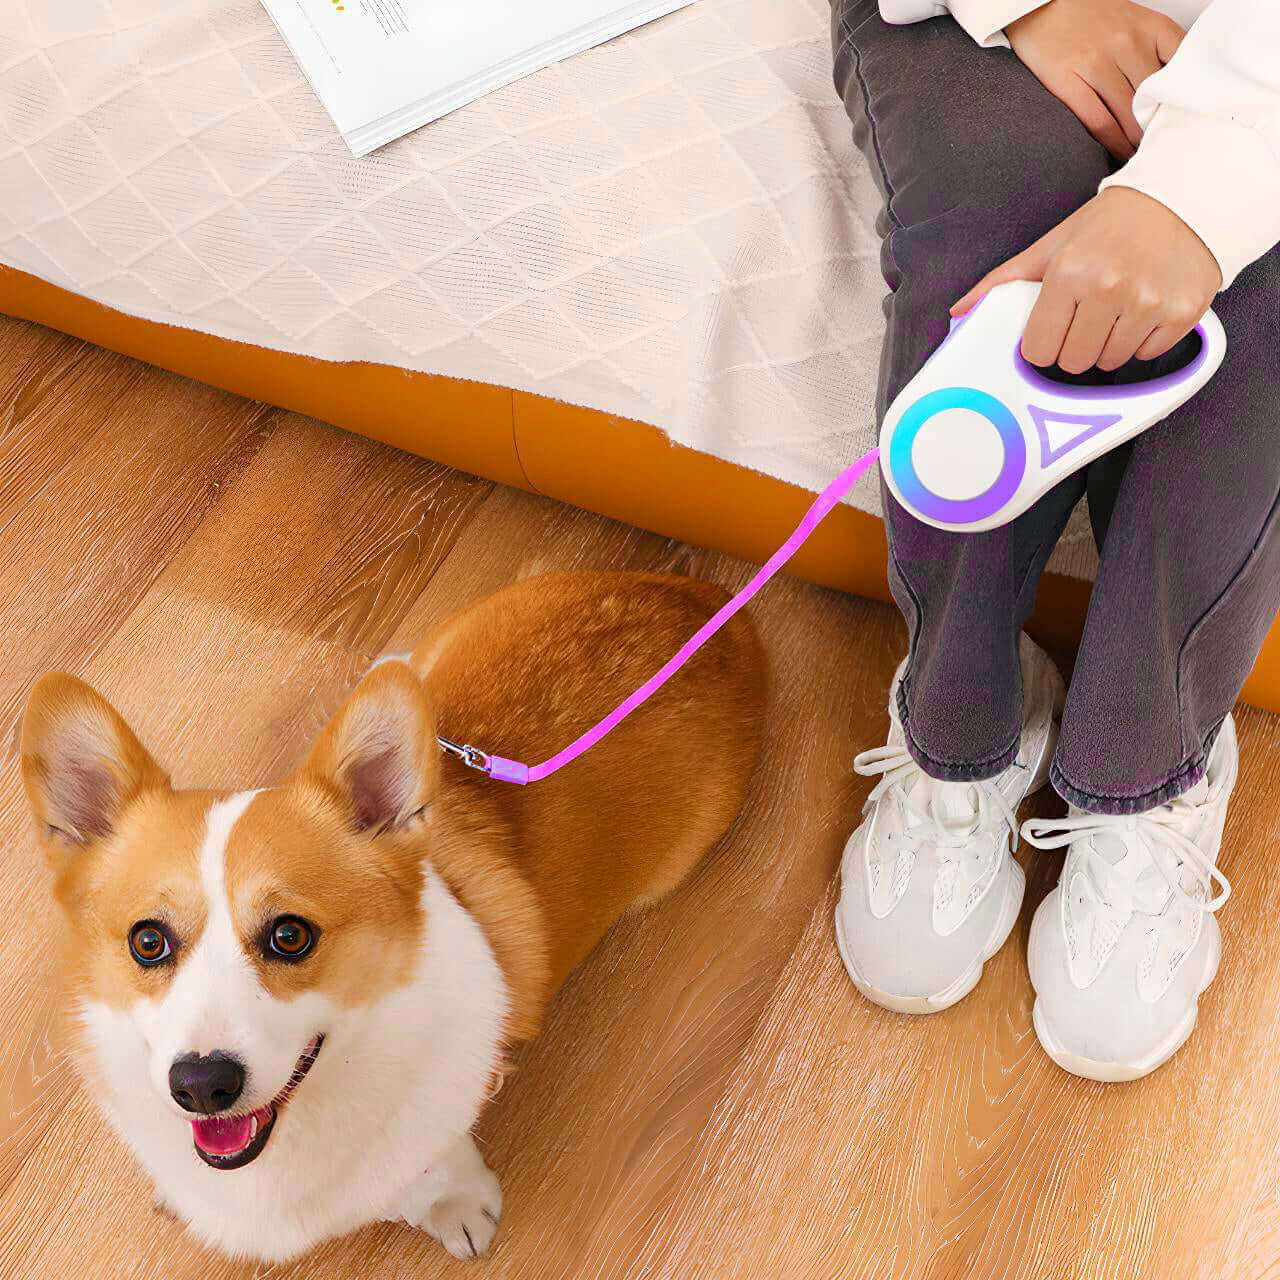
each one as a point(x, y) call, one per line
point(674, 227)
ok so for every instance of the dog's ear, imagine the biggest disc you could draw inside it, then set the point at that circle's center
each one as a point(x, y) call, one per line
point(81, 763)
point(379, 752)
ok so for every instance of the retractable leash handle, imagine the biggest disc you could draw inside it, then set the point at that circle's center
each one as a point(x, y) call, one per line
point(944, 463)
point(979, 435)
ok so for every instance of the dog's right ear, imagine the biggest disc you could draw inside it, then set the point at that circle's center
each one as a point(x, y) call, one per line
point(81, 763)
point(379, 752)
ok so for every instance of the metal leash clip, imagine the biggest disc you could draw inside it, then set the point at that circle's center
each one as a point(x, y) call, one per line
point(472, 757)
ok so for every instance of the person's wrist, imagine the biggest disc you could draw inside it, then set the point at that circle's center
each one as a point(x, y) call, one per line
point(1014, 25)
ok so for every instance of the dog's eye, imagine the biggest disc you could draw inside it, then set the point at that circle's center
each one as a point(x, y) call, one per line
point(290, 937)
point(149, 943)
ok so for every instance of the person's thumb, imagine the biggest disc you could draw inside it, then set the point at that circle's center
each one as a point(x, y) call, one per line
point(1030, 264)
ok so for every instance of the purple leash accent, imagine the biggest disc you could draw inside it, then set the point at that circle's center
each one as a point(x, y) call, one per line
point(513, 771)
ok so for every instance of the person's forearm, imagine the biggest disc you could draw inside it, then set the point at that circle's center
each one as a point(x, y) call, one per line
point(1211, 146)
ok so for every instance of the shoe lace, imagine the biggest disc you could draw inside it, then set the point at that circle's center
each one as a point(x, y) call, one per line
point(1159, 834)
point(951, 834)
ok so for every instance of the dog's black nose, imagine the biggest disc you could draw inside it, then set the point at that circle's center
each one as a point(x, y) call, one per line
point(207, 1084)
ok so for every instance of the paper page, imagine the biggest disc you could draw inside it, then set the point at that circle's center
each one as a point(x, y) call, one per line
point(373, 59)
point(356, 53)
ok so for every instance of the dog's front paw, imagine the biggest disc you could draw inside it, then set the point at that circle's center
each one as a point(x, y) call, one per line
point(458, 1201)
point(465, 1220)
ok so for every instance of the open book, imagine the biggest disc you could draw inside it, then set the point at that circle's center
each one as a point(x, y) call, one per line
point(385, 67)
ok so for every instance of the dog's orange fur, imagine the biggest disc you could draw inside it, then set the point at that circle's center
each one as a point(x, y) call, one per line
point(293, 853)
point(544, 869)
point(523, 673)
point(526, 671)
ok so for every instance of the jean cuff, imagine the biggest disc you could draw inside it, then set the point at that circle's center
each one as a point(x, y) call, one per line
point(1182, 779)
point(952, 770)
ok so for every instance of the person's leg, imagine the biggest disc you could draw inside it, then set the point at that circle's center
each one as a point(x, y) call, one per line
point(1122, 949)
point(1189, 582)
point(975, 159)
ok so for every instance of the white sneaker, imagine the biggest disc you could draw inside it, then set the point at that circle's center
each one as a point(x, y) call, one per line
point(1121, 950)
point(930, 889)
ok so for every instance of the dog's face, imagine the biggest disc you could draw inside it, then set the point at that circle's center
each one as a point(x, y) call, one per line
point(229, 937)
point(246, 966)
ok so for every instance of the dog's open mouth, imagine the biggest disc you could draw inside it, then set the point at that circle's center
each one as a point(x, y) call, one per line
point(233, 1141)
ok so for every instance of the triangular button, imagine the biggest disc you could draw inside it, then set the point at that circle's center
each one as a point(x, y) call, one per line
point(1061, 432)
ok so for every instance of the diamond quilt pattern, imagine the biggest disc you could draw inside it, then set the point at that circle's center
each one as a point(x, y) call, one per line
point(674, 227)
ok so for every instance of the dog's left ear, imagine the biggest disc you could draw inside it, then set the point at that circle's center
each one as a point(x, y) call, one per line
point(379, 751)
point(81, 763)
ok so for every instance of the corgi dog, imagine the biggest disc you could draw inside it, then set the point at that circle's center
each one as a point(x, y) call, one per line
point(292, 1003)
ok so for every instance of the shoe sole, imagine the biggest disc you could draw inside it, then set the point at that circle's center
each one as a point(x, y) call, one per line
point(1014, 891)
point(1119, 1072)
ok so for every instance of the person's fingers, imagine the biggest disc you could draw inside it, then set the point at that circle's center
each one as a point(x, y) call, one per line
point(1161, 340)
point(1090, 328)
point(1168, 36)
point(1048, 325)
point(1128, 333)
point(1113, 87)
point(1093, 113)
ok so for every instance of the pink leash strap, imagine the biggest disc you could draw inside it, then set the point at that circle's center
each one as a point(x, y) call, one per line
point(514, 771)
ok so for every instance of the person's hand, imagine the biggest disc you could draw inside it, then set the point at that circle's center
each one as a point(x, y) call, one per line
point(1123, 276)
point(1092, 55)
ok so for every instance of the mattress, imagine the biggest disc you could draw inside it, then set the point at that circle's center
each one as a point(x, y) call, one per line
point(673, 228)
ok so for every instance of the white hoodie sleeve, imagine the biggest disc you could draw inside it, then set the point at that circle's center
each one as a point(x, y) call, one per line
point(1211, 119)
point(1211, 143)
point(984, 20)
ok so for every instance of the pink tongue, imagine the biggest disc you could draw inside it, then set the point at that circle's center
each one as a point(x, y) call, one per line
point(225, 1135)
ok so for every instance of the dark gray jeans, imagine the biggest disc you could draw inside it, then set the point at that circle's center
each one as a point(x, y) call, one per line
point(976, 159)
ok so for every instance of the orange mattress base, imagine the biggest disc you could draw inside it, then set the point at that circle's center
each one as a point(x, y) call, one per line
point(623, 469)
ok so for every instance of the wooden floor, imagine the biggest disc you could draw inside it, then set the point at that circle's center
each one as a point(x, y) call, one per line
point(711, 1098)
